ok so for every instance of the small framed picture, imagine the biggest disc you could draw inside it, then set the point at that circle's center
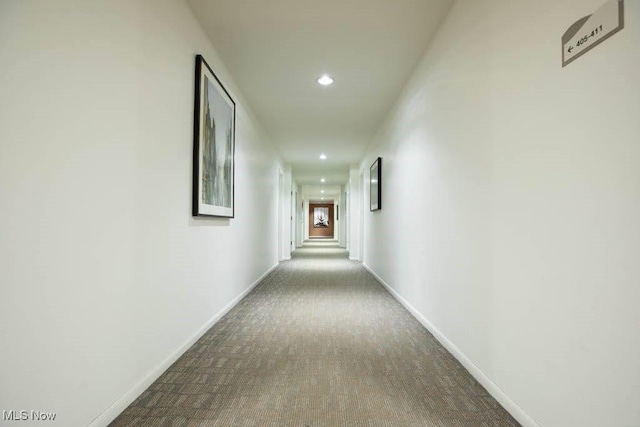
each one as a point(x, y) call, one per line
point(375, 185)
point(214, 134)
point(321, 217)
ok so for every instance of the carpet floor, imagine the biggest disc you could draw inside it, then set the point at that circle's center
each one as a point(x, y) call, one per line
point(319, 342)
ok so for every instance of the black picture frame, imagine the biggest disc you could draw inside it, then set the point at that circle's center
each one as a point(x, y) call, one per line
point(214, 142)
point(375, 185)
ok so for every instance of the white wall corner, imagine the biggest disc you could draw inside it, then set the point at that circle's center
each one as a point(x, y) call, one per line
point(512, 407)
point(117, 407)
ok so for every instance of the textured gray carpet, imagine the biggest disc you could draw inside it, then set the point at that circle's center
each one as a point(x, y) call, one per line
point(318, 343)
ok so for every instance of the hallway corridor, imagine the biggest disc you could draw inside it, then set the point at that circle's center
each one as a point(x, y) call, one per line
point(319, 342)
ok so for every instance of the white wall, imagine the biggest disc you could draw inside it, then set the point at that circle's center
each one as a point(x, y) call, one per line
point(342, 219)
point(347, 217)
point(286, 214)
point(355, 215)
point(294, 216)
point(511, 207)
point(337, 220)
point(305, 219)
point(104, 274)
point(299, 210)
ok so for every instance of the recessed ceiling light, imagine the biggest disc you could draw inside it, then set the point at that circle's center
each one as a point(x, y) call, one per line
point(325, 80)
point(323, 156)
point(321, 198)
point(322, 191)
point(322, 180)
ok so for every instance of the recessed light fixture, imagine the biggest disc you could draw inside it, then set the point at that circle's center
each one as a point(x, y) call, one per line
point(322, 191)
point(323, 156)
point(322, 180)
point(325, 80)
point(321, 198)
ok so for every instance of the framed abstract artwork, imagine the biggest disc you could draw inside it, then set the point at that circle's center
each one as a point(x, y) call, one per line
point(375, 185)
point(321, 217)
point(214, 136)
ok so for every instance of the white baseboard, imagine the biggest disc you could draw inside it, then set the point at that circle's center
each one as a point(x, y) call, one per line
point(110, 414)
point(354, 259)
point(508, 404)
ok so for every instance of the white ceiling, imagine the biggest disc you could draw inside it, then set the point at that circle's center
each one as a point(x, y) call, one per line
point(326, 193)
point(276, 49)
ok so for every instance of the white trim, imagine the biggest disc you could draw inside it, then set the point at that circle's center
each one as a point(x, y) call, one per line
point(354, 259)
point(117, 407)
point(512, 407)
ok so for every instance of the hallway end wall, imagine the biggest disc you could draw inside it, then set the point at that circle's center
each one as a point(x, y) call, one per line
point(324, 232)
point(511, 215)
point(105, 275)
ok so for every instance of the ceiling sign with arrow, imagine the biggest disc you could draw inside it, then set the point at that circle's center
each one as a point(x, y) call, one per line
point(592, 30)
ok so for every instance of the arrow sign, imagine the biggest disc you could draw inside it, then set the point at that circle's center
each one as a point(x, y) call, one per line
point(590, 31)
